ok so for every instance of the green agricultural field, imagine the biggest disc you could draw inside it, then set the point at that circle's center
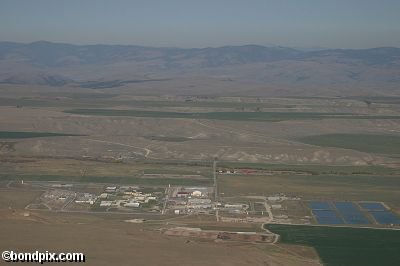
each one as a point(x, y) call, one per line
point(207, 104)
point(22, 102)
point(379, 99)
point(313, 168)
point(385, 144)
point(338, 246)
point(238, 116)
point(112, 180)
point(172, 171)
point(26, 135)
point(167, 138)
point(329, 187)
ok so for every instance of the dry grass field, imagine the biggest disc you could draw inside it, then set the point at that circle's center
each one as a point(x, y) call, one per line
point(159, 137)
point(106, 147)
point(160, 149)
point(16, 199)
point(107, 240)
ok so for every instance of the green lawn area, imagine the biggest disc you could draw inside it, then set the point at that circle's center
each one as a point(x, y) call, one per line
point(239, 116)
point(385, 144)
point(345, 246)
point(26, 135)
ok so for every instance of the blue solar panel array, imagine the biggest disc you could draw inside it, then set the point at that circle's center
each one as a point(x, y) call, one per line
point(350, 213)
point(372, 206)
point(380, 213)
point(327, 217)
point(385, 217)
point(324, 213)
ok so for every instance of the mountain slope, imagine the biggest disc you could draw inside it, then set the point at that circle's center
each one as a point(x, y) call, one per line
point(369, 71)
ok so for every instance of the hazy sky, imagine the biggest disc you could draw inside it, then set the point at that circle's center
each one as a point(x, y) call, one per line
point(200, 23)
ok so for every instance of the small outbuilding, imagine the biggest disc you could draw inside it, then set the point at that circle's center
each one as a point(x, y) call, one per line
point(197, 194)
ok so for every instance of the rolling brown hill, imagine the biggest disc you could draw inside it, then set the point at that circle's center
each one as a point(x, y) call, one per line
point(238, 70)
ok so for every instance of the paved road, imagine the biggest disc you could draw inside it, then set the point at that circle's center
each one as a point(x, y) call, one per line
point(166, 200)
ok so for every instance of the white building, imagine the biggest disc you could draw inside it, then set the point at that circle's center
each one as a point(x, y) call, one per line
point(111, 189)
point(132, 204)
point(103, 195)
point(105, 203)
point(197, 194)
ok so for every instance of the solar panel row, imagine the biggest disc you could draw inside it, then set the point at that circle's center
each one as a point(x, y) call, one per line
point(350, 213)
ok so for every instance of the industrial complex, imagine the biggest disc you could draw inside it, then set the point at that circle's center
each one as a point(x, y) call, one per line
point(195, 200)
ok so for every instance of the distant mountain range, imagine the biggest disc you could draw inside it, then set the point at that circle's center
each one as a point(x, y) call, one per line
point(288, 71)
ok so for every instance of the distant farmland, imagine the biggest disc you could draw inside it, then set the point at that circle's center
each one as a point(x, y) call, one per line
point(339, 246)
point(385, 144)
point(240, 116)
point(26, 135)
